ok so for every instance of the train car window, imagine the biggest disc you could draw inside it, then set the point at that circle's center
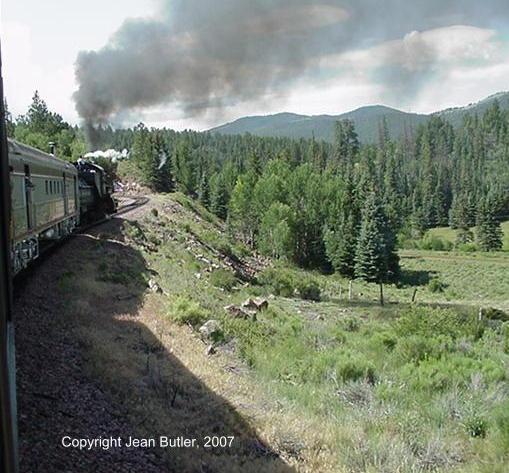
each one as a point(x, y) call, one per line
point(47, 189)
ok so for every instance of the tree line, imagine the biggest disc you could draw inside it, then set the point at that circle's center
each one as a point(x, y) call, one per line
point(339, 206)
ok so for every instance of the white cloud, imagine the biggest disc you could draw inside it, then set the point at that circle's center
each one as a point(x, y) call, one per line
point(23, 73)
point(454, 44)
point(446, 67)
point(19, 70)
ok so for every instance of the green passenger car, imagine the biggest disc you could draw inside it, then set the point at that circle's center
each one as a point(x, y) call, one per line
point(45, 201)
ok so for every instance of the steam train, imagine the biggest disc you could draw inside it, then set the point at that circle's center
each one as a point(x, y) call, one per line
point(50, 198)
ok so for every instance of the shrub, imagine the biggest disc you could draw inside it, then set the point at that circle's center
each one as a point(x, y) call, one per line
point(417, 347)
point(351, 324)
point(134, 232)
point(450, 370)
point(435, 243)
point(279, 281)
point(350, 367)
point(387, 340)
point(187, 311)
point(467, 247)
point(338, 335)
point(407, 242)
point(476, 426)
point(223, 278)
point(225, 248)
point(495, 314)
point(430, 322)
point(282, 282)
point(309, 290)
point(436, 285)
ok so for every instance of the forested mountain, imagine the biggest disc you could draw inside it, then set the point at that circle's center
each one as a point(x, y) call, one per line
point(342, 205)
point(455, 116)
point(339, 205)
point(366, 119)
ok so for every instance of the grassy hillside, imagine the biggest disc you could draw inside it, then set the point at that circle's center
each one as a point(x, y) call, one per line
point(408, 387)
point(366, 121)
point(449, 235)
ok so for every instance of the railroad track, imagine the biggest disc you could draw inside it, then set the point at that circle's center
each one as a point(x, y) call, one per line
point(130, 203)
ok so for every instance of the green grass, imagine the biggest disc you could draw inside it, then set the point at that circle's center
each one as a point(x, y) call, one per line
point(449, 235)
point(405, 387)
point(407, 379)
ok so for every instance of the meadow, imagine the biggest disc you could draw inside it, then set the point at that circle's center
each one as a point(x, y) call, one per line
point(445, 238)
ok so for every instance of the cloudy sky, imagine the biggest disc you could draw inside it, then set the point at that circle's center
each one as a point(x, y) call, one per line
point(195, 64)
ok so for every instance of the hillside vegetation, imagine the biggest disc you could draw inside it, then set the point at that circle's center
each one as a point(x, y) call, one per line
point(408, 387)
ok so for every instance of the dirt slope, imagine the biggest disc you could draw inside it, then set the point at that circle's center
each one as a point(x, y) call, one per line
point(95, 359)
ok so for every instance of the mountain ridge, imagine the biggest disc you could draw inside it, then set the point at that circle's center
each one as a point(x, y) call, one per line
point(366, 119)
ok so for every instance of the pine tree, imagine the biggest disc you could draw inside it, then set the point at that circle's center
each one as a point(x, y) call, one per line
point(141, 150)
point(384, 136)
point(346, 145)
point(375, 259)
point(41, 120)
point(204, 190)
point(183, 166)
point(342, 228)
point(253, 163)
point(158, 166)
point(341, 242)
point(488, 231)
point(218, 196)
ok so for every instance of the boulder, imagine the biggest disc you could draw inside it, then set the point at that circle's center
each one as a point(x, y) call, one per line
point(154, 287)
point(210, 330)
point(240, 312)
point(255, 304)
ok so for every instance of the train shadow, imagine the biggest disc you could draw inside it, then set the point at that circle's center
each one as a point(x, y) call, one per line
point(89, 367)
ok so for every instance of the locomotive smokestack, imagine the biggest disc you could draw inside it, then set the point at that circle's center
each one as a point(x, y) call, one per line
point(52, 147)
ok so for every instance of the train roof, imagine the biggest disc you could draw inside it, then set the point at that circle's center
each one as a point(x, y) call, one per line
point(37, 158)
